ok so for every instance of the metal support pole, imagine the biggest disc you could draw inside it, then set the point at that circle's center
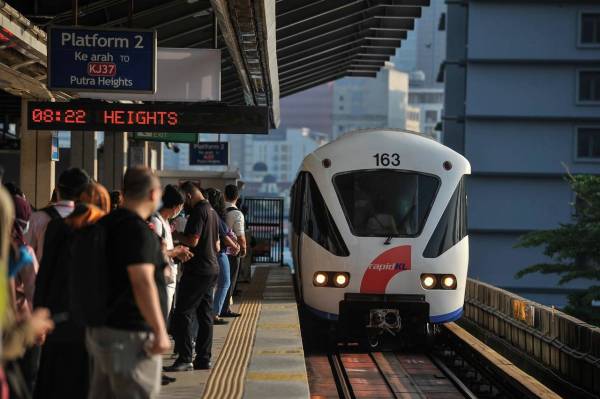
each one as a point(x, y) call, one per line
point(215, 31)
point(75, 7)
point(130, 14)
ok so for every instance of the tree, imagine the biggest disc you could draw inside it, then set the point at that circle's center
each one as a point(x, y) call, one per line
point(574, 248)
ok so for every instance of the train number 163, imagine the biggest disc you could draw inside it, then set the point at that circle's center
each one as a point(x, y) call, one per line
point(385, 159)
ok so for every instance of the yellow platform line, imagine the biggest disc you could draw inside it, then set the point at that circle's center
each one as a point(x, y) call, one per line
point(227, 377)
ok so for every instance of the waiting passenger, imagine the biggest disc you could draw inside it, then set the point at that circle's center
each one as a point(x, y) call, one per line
point(64, 364)
point(126, 350)
point(195, 291)
point(229, 246)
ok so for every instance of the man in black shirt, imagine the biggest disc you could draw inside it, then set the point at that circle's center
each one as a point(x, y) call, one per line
point(126, 350)
point(195, 295)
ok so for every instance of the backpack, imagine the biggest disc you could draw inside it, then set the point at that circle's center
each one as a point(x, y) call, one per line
point(89, 271)
point(52, 212)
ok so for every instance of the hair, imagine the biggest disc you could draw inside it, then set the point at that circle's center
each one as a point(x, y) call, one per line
point(71, 183)
point(1, 173)
point(216, 199)
point(232, 192)
point(84, 215)
point(54, 196)
point(172, 197)
point(115, 199)
point(189, 188)
point(138, 182)
point(13, 189)
point(96, 194)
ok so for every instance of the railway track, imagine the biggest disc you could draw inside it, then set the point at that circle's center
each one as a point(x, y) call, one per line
point(383, 375)
point(460, 366)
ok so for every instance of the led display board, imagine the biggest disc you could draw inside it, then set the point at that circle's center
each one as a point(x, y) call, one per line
point(155, 117)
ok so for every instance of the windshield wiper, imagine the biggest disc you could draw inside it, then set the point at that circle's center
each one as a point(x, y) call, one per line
point(388, 240)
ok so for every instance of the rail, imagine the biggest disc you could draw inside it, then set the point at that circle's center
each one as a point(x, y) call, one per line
point(560, 351)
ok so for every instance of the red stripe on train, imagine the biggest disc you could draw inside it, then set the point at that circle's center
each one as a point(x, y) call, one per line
point(383, 268)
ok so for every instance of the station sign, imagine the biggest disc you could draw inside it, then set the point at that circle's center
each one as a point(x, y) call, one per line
point(209, 153)
point(156, 117)
point(108, 60)
point(167, 137)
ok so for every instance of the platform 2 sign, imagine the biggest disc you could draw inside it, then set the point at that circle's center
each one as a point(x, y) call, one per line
point(156, 117)
point(209, 153)
point(92, 59)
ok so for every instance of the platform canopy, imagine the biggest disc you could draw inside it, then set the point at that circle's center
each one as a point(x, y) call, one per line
point(271, 48)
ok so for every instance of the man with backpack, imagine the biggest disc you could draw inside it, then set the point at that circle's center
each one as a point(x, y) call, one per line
point(235, 221)
point(71, 184)
point(125, 306)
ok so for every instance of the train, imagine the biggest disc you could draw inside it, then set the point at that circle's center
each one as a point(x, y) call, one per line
point(378, 234)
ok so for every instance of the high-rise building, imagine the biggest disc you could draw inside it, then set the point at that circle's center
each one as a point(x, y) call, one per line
point(311, 108)
point(431, 41)
point(522, 96)
point(360, 103)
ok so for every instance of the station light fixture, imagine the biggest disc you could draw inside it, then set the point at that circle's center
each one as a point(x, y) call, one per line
point(320, 279)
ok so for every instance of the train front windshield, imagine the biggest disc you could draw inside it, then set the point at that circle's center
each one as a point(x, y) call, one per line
point(386, 203)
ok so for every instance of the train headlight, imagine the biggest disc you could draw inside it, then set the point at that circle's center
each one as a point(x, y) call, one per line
point(320, 279)
point(341, 280)
point(449, 282)
point(428, 281)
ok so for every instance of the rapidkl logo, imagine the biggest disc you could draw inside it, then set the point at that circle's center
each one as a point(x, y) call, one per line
point(388, 266)
point(383, 268)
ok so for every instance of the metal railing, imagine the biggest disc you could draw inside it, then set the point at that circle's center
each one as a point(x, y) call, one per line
point(561, 351)
point(264, 218)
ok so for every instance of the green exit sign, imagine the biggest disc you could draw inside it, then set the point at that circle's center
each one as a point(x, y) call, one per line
point(167, 137)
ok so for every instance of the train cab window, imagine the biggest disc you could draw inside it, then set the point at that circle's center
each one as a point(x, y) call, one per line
point(318, 223)
point(452, 227)
point(386, 203)
point(296, 203)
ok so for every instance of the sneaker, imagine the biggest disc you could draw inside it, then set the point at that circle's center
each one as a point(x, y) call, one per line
point(230, 314)
point(205, 365)
point(220, 322)
point(166, 380)
point(179, 366)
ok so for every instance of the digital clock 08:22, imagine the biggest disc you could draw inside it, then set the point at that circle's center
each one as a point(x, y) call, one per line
point(75, 116)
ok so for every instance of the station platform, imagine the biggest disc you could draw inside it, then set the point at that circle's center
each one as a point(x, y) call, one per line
point(258, 355)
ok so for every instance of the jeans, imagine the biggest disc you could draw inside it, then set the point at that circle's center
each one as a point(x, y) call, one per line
point(121, 368)
point(222, 283)
point(234, 269)
point(194, 301)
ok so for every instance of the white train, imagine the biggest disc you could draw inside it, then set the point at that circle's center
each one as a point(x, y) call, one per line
point(378, 232)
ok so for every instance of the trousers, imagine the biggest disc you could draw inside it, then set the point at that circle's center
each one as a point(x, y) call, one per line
point(234, 269)
point(194, 301)
point(121, 368)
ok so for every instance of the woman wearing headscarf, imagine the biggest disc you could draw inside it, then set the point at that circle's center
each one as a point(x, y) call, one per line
point(21, 329)
point(64, 365)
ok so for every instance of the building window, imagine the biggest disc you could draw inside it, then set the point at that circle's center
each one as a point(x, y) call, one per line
point(588, 86)
point(341, 107)
point(589, 29)
point(431, 116)
point(588, 143)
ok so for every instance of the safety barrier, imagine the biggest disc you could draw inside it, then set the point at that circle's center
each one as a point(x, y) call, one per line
point(560, 349)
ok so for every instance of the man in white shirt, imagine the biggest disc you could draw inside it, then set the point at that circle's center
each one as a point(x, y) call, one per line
point(71, 184)
point(235, 220)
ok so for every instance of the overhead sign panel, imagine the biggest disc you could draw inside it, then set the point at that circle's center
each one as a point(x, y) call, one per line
point(92, 59)
point(183, 74)
point(157, 117)
point(209, 153)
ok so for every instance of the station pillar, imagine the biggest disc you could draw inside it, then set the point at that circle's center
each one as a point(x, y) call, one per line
point(83, 152)
point(37, 169)
point(138, 153)
point(114, 160)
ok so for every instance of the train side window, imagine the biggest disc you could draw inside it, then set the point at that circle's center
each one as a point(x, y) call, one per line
point(318, 222)
point(296, 208)
point(452, 227)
